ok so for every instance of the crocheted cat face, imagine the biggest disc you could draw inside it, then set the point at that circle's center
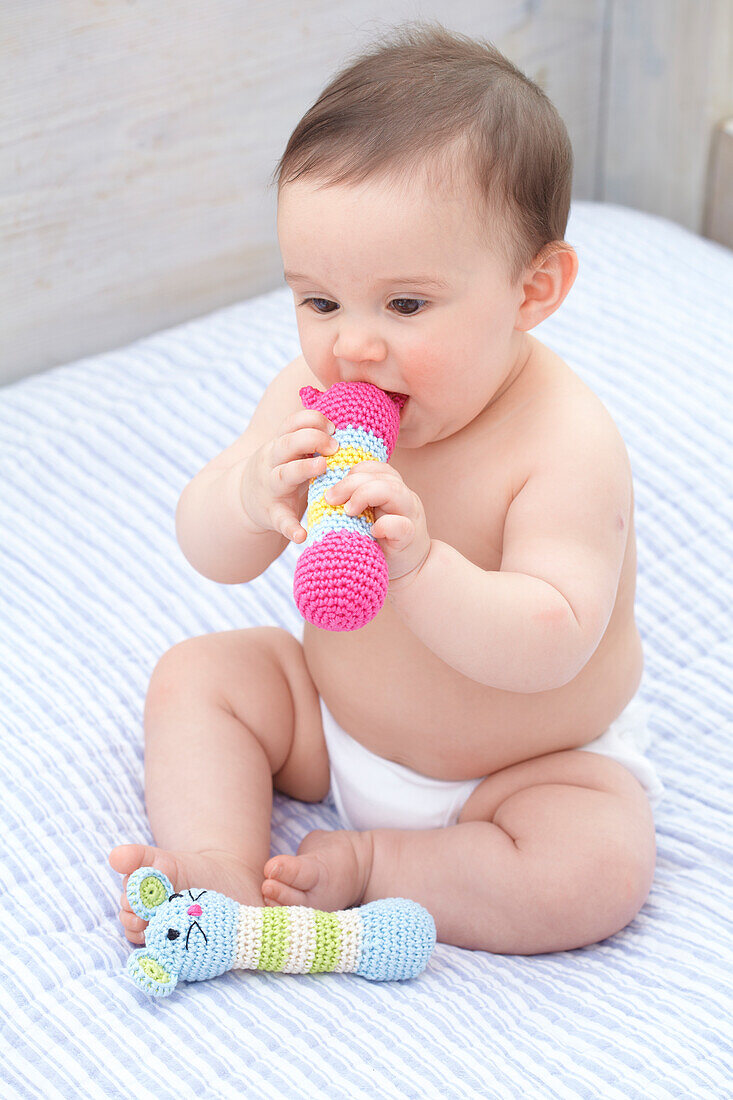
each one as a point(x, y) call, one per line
point(191, 934)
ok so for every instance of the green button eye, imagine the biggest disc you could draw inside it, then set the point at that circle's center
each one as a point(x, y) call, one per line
point(152, 892)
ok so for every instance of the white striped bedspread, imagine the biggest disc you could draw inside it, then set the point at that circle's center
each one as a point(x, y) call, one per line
point(94, 588)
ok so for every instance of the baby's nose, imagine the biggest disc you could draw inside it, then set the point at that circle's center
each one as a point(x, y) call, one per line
point(194, 910)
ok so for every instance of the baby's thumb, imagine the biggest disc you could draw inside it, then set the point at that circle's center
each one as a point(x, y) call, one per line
point(286, 522)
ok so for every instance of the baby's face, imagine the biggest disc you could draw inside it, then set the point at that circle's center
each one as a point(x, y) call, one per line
point(356, 259)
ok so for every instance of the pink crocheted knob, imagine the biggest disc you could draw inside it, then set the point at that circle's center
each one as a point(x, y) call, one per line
point(341, 575)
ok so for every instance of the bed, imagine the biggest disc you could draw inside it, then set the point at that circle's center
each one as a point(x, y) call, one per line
point(94, 589)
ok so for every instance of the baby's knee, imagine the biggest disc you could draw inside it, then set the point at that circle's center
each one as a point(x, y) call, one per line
point(605, 843)
point(634, 867)
point(623, 870)
point(181, 669)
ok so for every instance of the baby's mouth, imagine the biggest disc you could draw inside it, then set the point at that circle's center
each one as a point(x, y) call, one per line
point(400, 399)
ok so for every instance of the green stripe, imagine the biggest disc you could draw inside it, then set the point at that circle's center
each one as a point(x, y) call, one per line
point(328, 941)
point(275, 937)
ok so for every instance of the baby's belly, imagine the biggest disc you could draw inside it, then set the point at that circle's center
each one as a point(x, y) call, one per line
point(394, 696)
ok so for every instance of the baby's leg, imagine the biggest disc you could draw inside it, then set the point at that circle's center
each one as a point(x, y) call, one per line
point(224, 714)
point(551, 854)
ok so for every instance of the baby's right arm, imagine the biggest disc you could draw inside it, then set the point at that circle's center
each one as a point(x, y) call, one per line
point(236, 516)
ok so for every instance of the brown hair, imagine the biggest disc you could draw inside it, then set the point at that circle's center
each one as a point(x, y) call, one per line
point(425, 97)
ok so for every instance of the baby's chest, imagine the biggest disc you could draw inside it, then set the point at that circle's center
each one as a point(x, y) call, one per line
point(465, 503)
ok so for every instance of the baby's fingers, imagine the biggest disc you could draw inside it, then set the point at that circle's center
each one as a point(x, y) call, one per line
point(287, 523)
point(304, 441)
point(397, 530)
point(133, 925)
point(290, 475)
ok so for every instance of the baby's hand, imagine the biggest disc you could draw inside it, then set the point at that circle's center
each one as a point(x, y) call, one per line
point(400, 526)
point(275, 479)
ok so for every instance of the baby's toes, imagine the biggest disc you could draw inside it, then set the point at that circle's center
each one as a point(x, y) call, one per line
point(288, 879)
point(133, 925)
point(126, 858)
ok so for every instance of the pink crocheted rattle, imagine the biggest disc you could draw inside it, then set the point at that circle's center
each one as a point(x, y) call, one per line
point(341, 575)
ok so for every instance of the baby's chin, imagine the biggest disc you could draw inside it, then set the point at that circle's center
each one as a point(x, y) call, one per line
point(416, 432)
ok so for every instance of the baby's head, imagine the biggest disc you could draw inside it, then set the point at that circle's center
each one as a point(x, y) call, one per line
point(422, 203)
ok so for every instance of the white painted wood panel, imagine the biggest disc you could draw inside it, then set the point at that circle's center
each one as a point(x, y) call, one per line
point(136, 140)
point(670, 83)
point(718, 223)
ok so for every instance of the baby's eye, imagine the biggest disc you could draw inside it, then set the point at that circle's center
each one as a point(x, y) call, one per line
point(173, 934)
point(324, 301)
point(409, 302)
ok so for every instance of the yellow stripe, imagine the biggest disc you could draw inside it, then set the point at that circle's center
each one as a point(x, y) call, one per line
point(349, 456)
point(320, 508)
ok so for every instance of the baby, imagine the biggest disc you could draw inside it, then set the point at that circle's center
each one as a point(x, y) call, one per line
point(422, 204)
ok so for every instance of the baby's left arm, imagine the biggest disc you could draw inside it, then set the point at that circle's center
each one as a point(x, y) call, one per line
point(534, 624)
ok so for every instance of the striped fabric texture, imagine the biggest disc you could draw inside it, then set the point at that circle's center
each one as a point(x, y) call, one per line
point(94, 589)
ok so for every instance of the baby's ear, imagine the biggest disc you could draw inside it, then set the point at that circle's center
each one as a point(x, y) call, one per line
point(150, 975)
point(146, 890)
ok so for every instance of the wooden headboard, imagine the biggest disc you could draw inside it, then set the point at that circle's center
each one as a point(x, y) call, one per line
point(138, 139)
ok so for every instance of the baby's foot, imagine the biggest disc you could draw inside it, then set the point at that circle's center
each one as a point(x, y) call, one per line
point(214, 870)
point(330, 871)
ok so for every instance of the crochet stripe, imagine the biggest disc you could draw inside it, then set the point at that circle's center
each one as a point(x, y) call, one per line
point(297, 940)
point(355, 445)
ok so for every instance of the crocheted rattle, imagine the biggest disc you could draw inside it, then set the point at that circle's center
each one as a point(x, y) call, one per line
point(341, 575)
point(198, 934)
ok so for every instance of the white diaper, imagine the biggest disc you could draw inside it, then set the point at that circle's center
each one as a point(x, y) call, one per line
point(373, 793)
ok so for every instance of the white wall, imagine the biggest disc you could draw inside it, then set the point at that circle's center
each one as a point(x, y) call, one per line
point(669, 66)
point(136, 139)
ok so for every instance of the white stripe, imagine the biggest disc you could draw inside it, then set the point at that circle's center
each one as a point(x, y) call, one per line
point(302, 941)
point(352, 932)
point(249, 937)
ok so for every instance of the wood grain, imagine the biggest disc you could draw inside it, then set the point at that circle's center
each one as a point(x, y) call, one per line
point(718, 221)
point(137, 140)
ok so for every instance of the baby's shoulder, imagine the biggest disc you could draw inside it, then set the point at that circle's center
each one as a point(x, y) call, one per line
point(561, 434)
point(566, 416)
point(570, 467)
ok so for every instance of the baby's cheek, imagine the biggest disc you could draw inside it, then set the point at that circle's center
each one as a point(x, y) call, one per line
point(427, 375)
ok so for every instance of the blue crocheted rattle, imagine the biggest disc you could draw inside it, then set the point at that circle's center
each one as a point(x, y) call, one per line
point(198, 934)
